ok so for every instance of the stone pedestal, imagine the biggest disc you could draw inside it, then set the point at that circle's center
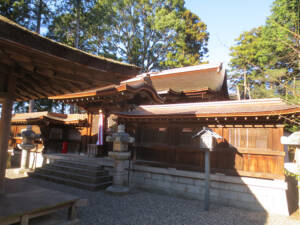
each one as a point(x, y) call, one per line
point(119, 172)
point(25, 159)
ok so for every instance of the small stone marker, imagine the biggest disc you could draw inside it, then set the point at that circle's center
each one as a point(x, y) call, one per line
point(207, 143)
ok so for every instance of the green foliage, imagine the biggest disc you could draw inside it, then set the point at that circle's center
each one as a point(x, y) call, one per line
point(20, 107)
point(243, 62)
point(63, 26)
point(151, 34)
point(191, 43)
point(268, 57)
point(17, 10)
point(266, 60)
point(25, 12)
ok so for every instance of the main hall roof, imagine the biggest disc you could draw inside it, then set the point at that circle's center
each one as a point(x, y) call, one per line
point(191, 78)
point(255, 107)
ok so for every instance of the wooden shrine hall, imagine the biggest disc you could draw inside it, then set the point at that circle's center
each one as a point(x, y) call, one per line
point(199, 97)
point(163, 110)
point(202, 83)
point(52, 128)
point(251, 129)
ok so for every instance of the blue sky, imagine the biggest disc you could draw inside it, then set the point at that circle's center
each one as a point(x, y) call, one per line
point(226, 20)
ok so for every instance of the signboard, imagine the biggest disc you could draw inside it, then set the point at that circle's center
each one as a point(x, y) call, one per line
point(207, 142)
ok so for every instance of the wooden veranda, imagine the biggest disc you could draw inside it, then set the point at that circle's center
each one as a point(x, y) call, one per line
point(33, 67)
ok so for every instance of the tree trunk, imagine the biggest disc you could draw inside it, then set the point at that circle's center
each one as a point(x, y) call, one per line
point(238, 95)
point(39, 16)
point(245, 85)
point(73, 108)
point(249, 93)
point(38, 30)
point(78, 3)
point(62, 108)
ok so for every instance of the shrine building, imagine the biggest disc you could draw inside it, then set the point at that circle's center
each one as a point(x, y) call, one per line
point(163, 110)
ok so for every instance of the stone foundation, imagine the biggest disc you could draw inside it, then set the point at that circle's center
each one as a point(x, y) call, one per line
point(242, 192)
point(265, 195)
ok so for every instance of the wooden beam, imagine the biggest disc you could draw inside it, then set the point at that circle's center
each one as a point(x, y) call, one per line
point(26, 77)
point(65, 87)
point(33, 88)
point(18, 57)
point(30, 93)
point(75, 87)
point(46, 83)
point(37, 70)
point(48, 68)
point(63, 76)
point(21, 96)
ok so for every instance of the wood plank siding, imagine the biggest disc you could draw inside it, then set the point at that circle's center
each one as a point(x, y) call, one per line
point(245, 151)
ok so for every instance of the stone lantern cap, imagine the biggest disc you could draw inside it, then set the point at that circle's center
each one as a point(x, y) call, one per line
point(121, 136)
point(28, 137)
point(120, 139)
point(293, 139)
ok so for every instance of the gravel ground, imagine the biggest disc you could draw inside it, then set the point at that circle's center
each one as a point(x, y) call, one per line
point(145, 208)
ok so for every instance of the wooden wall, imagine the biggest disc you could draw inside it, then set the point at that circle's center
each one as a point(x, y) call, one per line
point(253, 151)
point(52, 137)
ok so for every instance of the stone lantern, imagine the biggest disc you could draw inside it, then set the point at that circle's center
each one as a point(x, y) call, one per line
point(28, 137)
point(293, 140)
point(120, 153)
point(293, 168)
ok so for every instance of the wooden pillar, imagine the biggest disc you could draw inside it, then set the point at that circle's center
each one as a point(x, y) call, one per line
point(6, 113)
point(89, 130)
point(207, 179)
point(105, 126)
point(4, 138)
